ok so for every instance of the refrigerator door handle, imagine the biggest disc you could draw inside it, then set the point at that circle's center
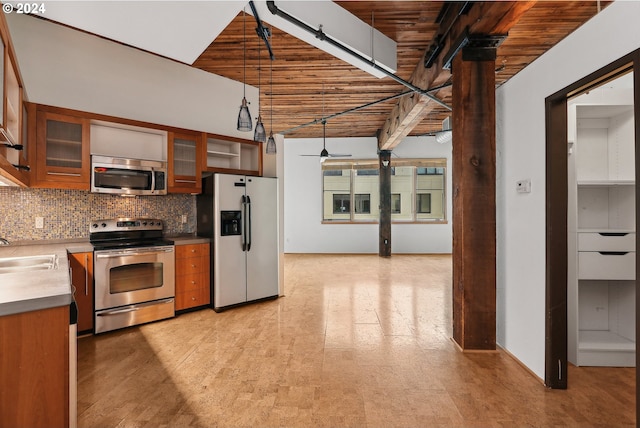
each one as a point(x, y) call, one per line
point(249, 222)
point(243, 232)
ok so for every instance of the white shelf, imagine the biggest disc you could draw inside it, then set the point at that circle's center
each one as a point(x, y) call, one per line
point(223, 154)
point(599, 340)
point(605, 230)
point(605, 349)
point(606, 183)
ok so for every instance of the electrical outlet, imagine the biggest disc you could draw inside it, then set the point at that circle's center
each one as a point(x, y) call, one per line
point(39, 222)
point(183, 219)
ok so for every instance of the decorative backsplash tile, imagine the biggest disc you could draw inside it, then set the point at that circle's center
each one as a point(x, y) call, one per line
point(68, 213)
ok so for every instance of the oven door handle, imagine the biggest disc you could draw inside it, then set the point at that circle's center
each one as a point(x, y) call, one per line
point(117, 311)
point(134, 308)
point(133, 252)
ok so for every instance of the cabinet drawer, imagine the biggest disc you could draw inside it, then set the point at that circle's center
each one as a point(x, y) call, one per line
point(602, 265)
point(192, 299)
point(592, 241)
point(193, 250)
point(191, 265)
point(191, 282)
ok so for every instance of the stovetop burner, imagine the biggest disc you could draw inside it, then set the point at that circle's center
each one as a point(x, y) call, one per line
point(127, 233)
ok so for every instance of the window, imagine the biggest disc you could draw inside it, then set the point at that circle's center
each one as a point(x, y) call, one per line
point(423, 205)
point(351, 190)
point(367, 172)
point(341, 203)
point(363, 204)
point(396, 203)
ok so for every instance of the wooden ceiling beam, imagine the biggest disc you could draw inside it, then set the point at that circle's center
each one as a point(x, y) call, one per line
point(487, 18)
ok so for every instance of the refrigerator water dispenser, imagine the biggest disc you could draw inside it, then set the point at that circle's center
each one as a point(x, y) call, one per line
point(230, 223)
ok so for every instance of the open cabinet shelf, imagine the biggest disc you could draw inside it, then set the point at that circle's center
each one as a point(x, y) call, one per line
point(233, 155)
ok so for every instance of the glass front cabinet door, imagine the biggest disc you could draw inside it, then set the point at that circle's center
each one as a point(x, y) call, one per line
point(185, 173)
point(63, 159)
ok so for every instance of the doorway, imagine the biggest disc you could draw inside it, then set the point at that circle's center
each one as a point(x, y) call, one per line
point(572, 194)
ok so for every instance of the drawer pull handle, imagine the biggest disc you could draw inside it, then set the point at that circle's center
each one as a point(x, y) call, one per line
point(612, 233)
point(613, 253)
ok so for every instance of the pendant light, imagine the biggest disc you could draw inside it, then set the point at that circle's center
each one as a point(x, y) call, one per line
point(260, 133)
point(244, 116)
point(271, 142)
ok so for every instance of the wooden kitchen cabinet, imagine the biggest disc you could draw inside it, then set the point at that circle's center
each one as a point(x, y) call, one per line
point(62, 150)
point(13, 161)
point(193, 288)
point(34, 369)
point(185, 170)
point(81, 265)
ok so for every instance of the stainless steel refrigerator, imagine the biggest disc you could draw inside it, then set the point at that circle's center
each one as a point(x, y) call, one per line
point(240, 215)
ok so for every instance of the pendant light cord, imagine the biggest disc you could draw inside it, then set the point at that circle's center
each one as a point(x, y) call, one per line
point(324, 122)
point(244, 53)
point(271, 96)
point(259, 82)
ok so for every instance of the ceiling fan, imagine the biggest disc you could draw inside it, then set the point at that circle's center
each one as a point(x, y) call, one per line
point(324, 154)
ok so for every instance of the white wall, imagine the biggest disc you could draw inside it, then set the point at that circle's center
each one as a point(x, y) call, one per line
point(521, 154)
point(67, 68)
point(304, 231)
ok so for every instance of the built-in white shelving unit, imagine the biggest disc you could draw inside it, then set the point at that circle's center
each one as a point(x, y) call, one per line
point(602, 239)
point(232, 154)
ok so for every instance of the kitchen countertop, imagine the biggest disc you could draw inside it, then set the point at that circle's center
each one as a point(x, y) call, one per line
point(36, 289)
point(43, 289)
point(188, 239)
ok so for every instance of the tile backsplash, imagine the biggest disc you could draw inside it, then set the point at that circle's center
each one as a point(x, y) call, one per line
point(68, 213)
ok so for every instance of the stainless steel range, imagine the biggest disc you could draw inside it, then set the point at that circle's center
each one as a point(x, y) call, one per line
point(134, 271)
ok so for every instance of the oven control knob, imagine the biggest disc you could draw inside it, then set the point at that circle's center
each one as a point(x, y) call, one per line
point(94, 225)
point(104, 224)
point(144, 223)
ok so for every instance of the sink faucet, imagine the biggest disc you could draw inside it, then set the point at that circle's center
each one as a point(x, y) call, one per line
point(4, 241)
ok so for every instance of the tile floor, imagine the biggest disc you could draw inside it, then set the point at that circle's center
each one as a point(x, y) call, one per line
point(358, 341)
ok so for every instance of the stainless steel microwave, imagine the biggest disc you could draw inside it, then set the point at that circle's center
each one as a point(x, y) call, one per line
point(128, 176)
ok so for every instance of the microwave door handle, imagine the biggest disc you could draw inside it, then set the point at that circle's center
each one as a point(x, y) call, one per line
point(153, 180)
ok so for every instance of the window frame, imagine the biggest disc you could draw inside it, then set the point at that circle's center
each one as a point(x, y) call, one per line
point(430, 167)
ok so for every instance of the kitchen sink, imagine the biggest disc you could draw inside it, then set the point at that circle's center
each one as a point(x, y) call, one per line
point(28, 263)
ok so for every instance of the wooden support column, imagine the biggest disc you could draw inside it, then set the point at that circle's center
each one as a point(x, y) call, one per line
point(385, 203)
point(474, 206)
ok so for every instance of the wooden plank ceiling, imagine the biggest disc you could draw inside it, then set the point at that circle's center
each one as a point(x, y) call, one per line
point(309, 84)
